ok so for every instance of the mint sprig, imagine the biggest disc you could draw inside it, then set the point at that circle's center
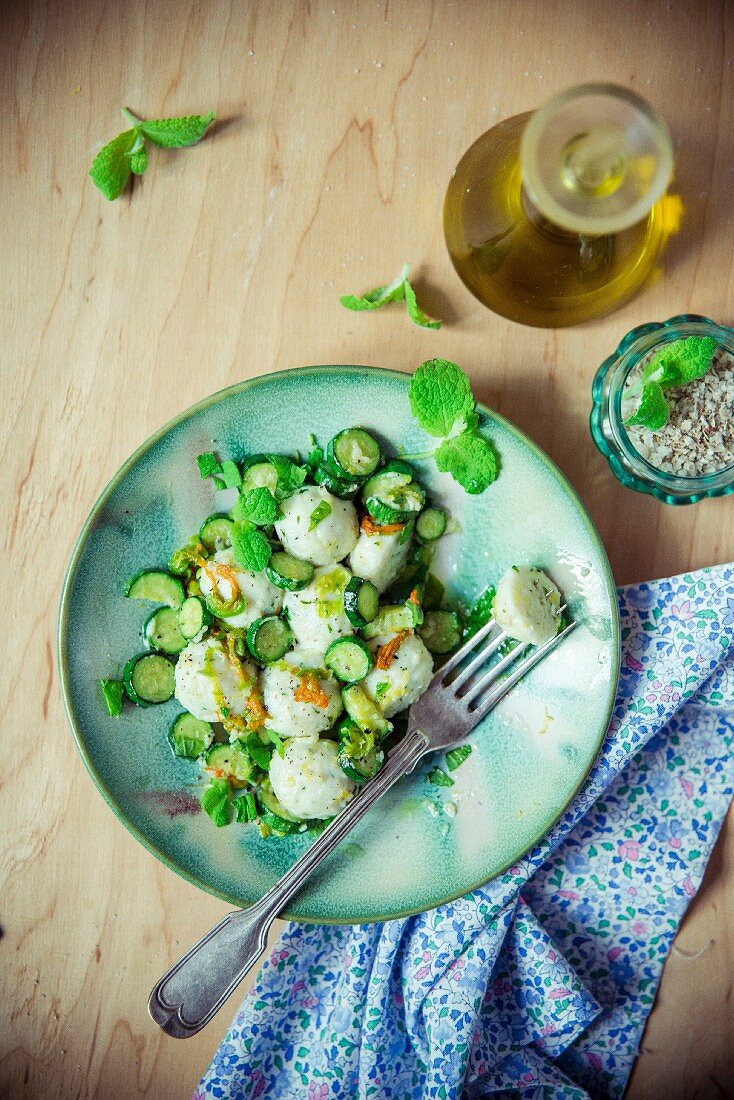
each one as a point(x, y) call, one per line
point(441, 401)
point(674, 364)
point(127, 154)
point(399, 290)
point(258, 506)
point(250, 548)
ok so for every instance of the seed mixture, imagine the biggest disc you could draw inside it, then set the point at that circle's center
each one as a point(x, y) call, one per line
point(699, 436)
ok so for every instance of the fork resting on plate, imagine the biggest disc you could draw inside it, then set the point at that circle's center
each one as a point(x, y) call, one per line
point(460, 694)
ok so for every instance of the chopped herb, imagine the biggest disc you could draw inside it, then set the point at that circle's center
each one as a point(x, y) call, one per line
point(208, 464)
point(315, 455)
point(127, 155)
point(250, 547)
point(290, 475)
point(216, 800)
point(277, 741)
point(319, 514)
point(257, 505)
point(457, 756)
point(439, 778)
point(231, 475)
point(380, 689)
point(480, 613)
point(399, 290)
point(259, 751)
point(245, 809)
point(112, 691)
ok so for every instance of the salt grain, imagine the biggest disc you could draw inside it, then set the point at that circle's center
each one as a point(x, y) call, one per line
point(698, 438)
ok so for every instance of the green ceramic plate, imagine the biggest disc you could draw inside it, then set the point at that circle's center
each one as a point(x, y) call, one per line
point(530, 756)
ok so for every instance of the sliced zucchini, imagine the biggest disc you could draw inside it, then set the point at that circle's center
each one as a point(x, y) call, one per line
point(393, 618)
point(431, 524)
point(358, 756)
point(216, 532)
point(232, 762)
point(193, 617)
point(149, 679)
point(349, 659)
point(190, 737)
point(289, 573)
point(440, 631)
point(361, 602)
point(344, 488)
point(259, 473)
point(269, 638)
point(392, 496)
point(155, 585)
point(274, 814)
point(353, 453)
point(363, 711)
point(161, 631)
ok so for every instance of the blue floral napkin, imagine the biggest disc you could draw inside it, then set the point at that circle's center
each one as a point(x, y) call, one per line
point(540, 983)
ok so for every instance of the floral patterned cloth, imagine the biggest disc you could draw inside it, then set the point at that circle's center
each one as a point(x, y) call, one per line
point(539, 984)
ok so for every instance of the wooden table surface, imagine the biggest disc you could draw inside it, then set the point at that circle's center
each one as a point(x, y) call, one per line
point(339, 127)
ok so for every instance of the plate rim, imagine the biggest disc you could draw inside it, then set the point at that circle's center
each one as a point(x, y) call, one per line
point(70, 574)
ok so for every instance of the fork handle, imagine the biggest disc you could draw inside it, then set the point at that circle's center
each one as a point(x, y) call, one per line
point(185, 999)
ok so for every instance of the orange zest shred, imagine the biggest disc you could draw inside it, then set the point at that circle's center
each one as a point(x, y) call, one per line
point(310, 690)
point(387, 651)
point(369, 527)
point(414, 597)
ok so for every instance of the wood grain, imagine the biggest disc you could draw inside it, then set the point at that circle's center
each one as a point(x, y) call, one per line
point(339, 127)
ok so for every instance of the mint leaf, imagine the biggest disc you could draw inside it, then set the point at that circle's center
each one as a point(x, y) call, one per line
point(250, 547)
point(457, 756)
point(208, 464)
point(440, 395)
point(319, 514)
point(231, 475)
point(290, 475)
point(653, 410)
point(380, 296)
point(480, 613)
point(245, 809)
point(112, 692)
point(176, 133)
point(259, 751)
point(439, 778)
point(277, 741)
point(216, 800)
point(681, 361)
point(470, 459)
point(111, 168)
point(257, 505)
point(315, 455)
point(416, 314)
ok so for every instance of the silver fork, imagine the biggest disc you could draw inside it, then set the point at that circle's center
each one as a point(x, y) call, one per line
point(186, 998)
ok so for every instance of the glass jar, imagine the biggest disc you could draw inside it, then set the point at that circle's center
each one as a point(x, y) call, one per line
point(607, 427)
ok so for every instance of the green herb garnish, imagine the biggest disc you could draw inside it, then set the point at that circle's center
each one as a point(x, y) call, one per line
point(256, 505)
point(315, 455)
point(231, 475)
point(457, 756)
point(480, 613)
point(127, 155)
point(259, 752)
point(399, 290)
point(276, 740)
point(112, 691)
point(216, 800)
point(441, 401)
point(250, 547)
point(209, 465)
point(291, 476)
point(439, 778)
point(674, 364)
point(245, 808)
point(319, 514)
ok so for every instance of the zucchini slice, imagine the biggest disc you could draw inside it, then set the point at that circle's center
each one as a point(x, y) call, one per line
point(431, 524)
point(361, 602)
point(232, 762)
point(274, 814)
point(353, 453)
point(193, 617)
point(190, 737)
point(344, 488)
point(364, 712)
point(392, 496)
point(259, 473)
point(216, 532)
point(269, 638)
point(155, 585)
point(349, 659)
point(392, 618)
point(289, 573)
point(441, 631)
point(149, 679)
point(358, 756)
point(161, 631)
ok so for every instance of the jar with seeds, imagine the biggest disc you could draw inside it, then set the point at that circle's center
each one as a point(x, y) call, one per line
point(663, 409)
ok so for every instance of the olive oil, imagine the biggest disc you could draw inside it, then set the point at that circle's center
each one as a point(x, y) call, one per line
point(529, 268)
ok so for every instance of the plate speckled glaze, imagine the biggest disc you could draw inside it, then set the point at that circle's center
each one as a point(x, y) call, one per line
point(530, 755)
